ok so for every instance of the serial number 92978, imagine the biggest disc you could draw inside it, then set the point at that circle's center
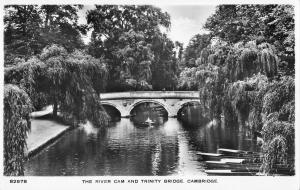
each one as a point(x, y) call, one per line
point(18, 181)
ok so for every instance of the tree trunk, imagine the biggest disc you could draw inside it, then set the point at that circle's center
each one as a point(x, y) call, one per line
point(55, 108)
point(241, 132)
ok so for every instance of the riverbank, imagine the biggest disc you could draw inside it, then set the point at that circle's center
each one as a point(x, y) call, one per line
point(44, 131)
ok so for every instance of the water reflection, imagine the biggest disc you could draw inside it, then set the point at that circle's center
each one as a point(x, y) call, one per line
point(149, 111)
point(192, 115)
point(126, 149)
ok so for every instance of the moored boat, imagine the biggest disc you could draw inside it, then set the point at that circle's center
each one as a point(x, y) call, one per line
point(229, 173)
point(209, 156)
point(231, 165)
point(230, 152)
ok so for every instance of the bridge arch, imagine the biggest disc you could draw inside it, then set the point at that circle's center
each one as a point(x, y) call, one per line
point(186, 103)
point(149, 101)
point(109, 104)
point(112, 105)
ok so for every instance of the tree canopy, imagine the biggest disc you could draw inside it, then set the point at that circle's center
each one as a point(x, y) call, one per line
point(70, 81)
point(30, 28)
point(273, 24)
point(130, 40)
point(193, 50)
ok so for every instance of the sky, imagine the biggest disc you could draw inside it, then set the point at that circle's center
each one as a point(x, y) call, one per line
point(186, 20)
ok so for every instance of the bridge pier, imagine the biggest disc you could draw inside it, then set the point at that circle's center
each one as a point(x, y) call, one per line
point(125, 116)
point(173, 113)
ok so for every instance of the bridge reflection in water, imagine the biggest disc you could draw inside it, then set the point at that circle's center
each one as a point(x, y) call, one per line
point(126, 149)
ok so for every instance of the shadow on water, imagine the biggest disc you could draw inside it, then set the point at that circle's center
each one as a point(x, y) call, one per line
point(113, 113)
point(208, 136)
point(191, 115)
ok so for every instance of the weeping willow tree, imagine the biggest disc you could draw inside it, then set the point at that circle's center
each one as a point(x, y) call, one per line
point(243, 102)
point(251, 77)
point(268, 60)
point(187, 79)
point(241, 82)
point(29, 76)
point(246, 59)
point(17, 107)
point(74, 83)
point(267, 107)
point(85, 79)
point(278, 116)
point(211, 92)
point(71, 82)
point(256, 99)
point(239, 98)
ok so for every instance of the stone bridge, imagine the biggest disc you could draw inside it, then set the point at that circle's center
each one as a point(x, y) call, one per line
point(172, 101)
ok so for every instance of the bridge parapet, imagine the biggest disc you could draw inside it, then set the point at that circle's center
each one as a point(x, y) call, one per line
point(150, 95)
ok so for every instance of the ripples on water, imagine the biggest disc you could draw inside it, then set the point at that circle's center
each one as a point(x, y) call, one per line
point(126, 149)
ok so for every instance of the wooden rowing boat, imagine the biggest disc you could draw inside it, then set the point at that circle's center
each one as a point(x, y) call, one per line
point(229, 173)
point(209, 156)
point(231, 165)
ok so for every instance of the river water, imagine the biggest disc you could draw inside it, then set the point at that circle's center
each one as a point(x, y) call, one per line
point(126, 148)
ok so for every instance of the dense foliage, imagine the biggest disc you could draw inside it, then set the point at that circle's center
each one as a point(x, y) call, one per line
point(30, 28)
point(278, 116)
point(193, 50)
point(272, 24)
point(246, 74)
point(250, 94)
point(74, 83)
point(129, 38)
point(29, 75)
point(71, 82)
point(17, 107)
